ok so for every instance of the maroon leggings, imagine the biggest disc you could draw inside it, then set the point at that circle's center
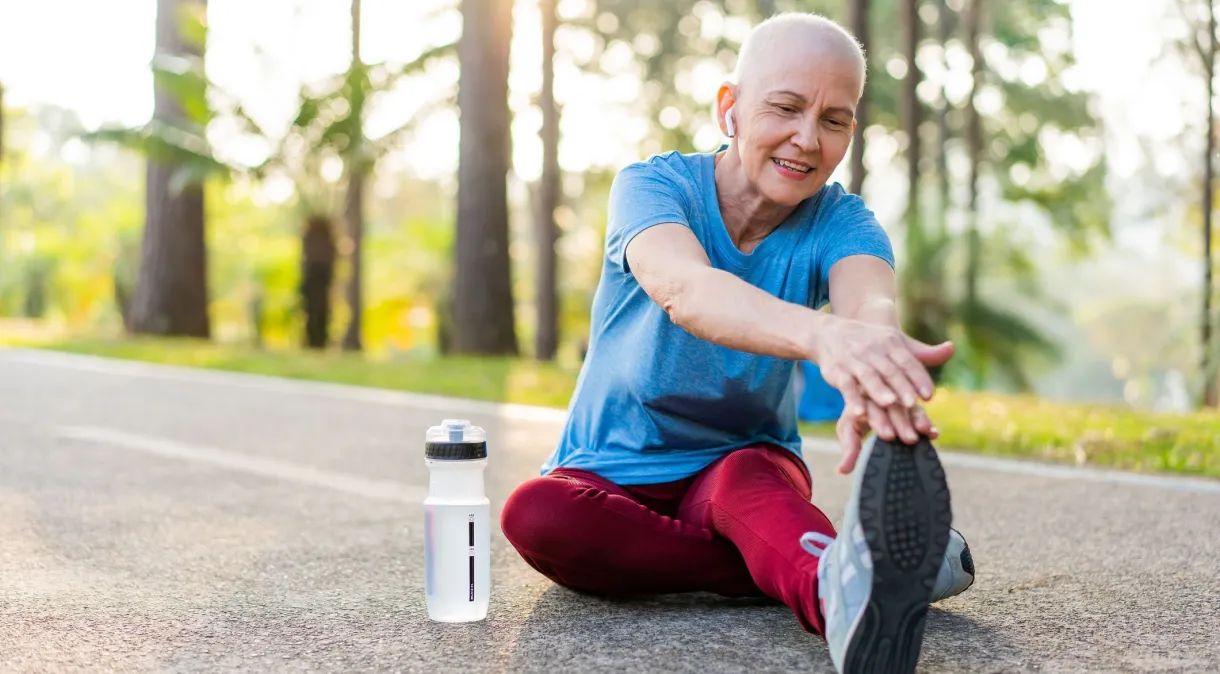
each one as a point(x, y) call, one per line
point(734, 529)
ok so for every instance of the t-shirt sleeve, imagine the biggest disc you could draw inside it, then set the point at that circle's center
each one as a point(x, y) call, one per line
point(851, 229)
point(640, 197)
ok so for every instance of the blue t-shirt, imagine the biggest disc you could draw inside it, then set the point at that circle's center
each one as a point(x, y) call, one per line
point(654, 403)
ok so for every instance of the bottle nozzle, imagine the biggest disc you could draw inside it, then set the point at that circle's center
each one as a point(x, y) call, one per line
point(457, 429)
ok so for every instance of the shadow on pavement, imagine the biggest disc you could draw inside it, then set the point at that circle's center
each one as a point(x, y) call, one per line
point(698, 632)
point(705, 633)
point(954, 642)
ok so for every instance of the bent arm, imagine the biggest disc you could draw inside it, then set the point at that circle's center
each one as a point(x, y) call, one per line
point(672, 267)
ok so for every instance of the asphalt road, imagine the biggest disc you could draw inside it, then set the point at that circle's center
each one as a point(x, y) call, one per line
point(165, 520)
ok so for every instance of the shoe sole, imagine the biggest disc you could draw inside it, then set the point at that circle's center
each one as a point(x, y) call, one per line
point(905, 514)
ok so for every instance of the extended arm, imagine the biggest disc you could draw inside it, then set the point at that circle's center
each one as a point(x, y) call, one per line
point(858, 357)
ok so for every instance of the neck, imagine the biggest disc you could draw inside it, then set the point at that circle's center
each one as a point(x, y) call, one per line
point(748, 216)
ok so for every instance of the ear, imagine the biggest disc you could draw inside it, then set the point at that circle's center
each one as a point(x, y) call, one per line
point(726, 99)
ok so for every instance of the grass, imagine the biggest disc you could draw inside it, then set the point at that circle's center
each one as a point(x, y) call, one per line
point(985, 423)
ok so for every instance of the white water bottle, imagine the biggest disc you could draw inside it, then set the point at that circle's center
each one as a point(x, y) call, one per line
point(457, 536)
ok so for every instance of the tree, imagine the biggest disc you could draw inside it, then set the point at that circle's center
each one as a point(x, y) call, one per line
point(974, 149)
point(171, 294)
point(669, 42)
point(317, 272)
point(912, 107)
point(353, 206)
point(858, 21)
point(944, 34)
point(483, 313)
point(330, 123)
point(548, 194)
point(1203, 44)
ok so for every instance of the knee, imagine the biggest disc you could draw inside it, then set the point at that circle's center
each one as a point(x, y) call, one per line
point(531, 517)
point(764, 464)
point(748, 461)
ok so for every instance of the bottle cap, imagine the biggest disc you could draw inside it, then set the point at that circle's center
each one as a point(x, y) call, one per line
point(455, 440)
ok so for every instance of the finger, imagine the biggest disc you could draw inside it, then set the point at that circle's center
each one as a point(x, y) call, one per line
point(904, 427)
point(923, 423)
point(879, 420)
point(853, 401)
point(873, 385)
point(896, 377)
point(850, 440)
point(915, 372)
point(929, 354)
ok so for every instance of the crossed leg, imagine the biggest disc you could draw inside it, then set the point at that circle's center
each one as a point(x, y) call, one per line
point(733, 529)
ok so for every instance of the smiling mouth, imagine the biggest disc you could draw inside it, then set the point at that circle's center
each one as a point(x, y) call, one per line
point(791, 166)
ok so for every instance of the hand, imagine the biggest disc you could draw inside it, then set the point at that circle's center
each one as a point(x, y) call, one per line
point(851, 429)
point(871, 362)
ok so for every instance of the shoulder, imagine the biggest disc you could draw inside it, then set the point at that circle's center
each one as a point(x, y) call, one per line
point(838, 207)
point(845, 226)
point(672, 170)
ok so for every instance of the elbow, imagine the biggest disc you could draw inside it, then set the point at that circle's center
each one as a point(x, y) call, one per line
point(674, 297)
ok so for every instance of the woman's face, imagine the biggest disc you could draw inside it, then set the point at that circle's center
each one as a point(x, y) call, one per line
point(794, 123)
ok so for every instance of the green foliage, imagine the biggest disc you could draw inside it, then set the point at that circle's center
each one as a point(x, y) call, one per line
point(668, 40)
point(990, 336)
point(1078, 434)
point(181, 140)
point(333, 121)
point(62, 227)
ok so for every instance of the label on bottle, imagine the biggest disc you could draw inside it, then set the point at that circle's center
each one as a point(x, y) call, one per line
point(471, 553)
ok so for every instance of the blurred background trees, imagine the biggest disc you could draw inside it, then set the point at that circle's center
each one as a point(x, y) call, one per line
point(982, 155)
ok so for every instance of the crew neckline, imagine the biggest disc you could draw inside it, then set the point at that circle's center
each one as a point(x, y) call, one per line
point(723, 242)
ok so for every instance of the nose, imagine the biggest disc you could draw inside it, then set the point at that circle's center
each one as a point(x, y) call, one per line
point(806, 137)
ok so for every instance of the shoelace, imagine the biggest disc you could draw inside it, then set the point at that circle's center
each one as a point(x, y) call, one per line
point(810, 538)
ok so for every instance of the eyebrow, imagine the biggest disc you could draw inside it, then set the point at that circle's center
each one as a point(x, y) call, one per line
point(792, 94)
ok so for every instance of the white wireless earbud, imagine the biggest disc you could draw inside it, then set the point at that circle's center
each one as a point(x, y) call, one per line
point(728, 121)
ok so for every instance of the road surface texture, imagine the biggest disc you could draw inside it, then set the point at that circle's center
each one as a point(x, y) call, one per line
point(157, 519)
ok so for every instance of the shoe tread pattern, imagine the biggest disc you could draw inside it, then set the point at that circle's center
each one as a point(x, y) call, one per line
point(905, 514)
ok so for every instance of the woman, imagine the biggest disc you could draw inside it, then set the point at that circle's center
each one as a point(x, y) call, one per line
point(679, 468)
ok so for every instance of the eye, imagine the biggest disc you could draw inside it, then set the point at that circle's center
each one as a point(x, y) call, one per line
point(785, 108)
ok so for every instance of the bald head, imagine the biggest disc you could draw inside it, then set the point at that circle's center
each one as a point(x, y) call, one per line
point(778, 41)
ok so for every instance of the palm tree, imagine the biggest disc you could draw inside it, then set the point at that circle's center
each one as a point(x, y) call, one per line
point(332, 124)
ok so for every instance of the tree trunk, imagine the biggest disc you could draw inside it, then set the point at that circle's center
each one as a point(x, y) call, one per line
point(318, 253)
point(859, 26)
point(1210, 393)
point(911, 24)
point(945, 30)
point(171, 295)
point(483, 314)
point(353, 214)
point(547, 342)
point(353, 207)
point(974, 148)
